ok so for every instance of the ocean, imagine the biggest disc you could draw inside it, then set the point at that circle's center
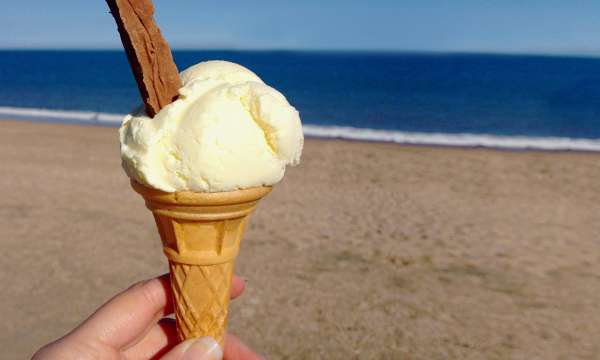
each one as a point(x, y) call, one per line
point(509, 101)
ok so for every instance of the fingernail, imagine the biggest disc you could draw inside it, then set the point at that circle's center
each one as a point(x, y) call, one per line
point(205, 348)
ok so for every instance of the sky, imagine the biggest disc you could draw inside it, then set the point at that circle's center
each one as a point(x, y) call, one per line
point(506, 26)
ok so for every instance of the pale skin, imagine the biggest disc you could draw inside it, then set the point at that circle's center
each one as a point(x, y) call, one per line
point(132, 325)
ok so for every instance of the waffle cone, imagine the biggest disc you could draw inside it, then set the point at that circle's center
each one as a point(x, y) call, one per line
point(201, 235)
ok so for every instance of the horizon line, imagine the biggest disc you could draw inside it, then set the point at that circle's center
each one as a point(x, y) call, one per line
point(592, 54)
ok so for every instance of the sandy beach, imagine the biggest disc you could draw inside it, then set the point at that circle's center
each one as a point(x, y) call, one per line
point(365, 251)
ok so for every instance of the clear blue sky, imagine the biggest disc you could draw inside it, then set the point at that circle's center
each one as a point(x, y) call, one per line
point(533, 26)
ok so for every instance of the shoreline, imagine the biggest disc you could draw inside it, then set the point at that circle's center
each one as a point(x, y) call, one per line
point(433, 140)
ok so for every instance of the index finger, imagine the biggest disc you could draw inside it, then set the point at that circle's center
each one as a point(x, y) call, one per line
point(124, 319)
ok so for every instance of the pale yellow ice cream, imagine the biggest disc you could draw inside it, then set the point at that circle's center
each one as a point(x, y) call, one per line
point(226, 131)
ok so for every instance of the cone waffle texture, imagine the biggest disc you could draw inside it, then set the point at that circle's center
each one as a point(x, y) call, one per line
point(201, 235)
point(201, 298)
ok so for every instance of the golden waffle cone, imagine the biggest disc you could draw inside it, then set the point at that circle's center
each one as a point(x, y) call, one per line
point(201, 235)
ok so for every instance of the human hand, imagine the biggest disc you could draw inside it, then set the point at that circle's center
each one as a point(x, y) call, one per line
point(132, 325)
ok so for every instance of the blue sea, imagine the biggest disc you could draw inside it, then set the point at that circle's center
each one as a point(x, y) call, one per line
point(455, 99)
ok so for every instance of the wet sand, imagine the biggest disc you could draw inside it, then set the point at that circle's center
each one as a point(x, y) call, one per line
point(365, 251)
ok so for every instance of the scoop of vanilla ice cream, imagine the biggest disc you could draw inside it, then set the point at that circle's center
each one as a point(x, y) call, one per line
point(226, 131)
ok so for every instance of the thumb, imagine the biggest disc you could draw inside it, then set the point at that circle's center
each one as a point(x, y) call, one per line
point(205, 348)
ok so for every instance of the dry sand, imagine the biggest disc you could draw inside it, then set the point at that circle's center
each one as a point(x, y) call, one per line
point(370, 251)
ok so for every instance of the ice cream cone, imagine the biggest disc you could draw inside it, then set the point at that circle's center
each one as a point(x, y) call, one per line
point(201, 235)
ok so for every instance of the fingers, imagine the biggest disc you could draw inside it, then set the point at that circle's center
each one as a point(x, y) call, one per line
point(235, 349)
point(205, 348)
point(125, 320)
point(160, 338)
point(127, 316)
point(163, 336)
point(237, 286)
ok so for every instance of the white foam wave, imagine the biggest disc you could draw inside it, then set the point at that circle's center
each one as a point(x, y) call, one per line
point(60, 115)
point(342, 132)
point(466, 140)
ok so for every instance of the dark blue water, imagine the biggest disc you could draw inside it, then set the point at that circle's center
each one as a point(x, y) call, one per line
point(508, 95)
